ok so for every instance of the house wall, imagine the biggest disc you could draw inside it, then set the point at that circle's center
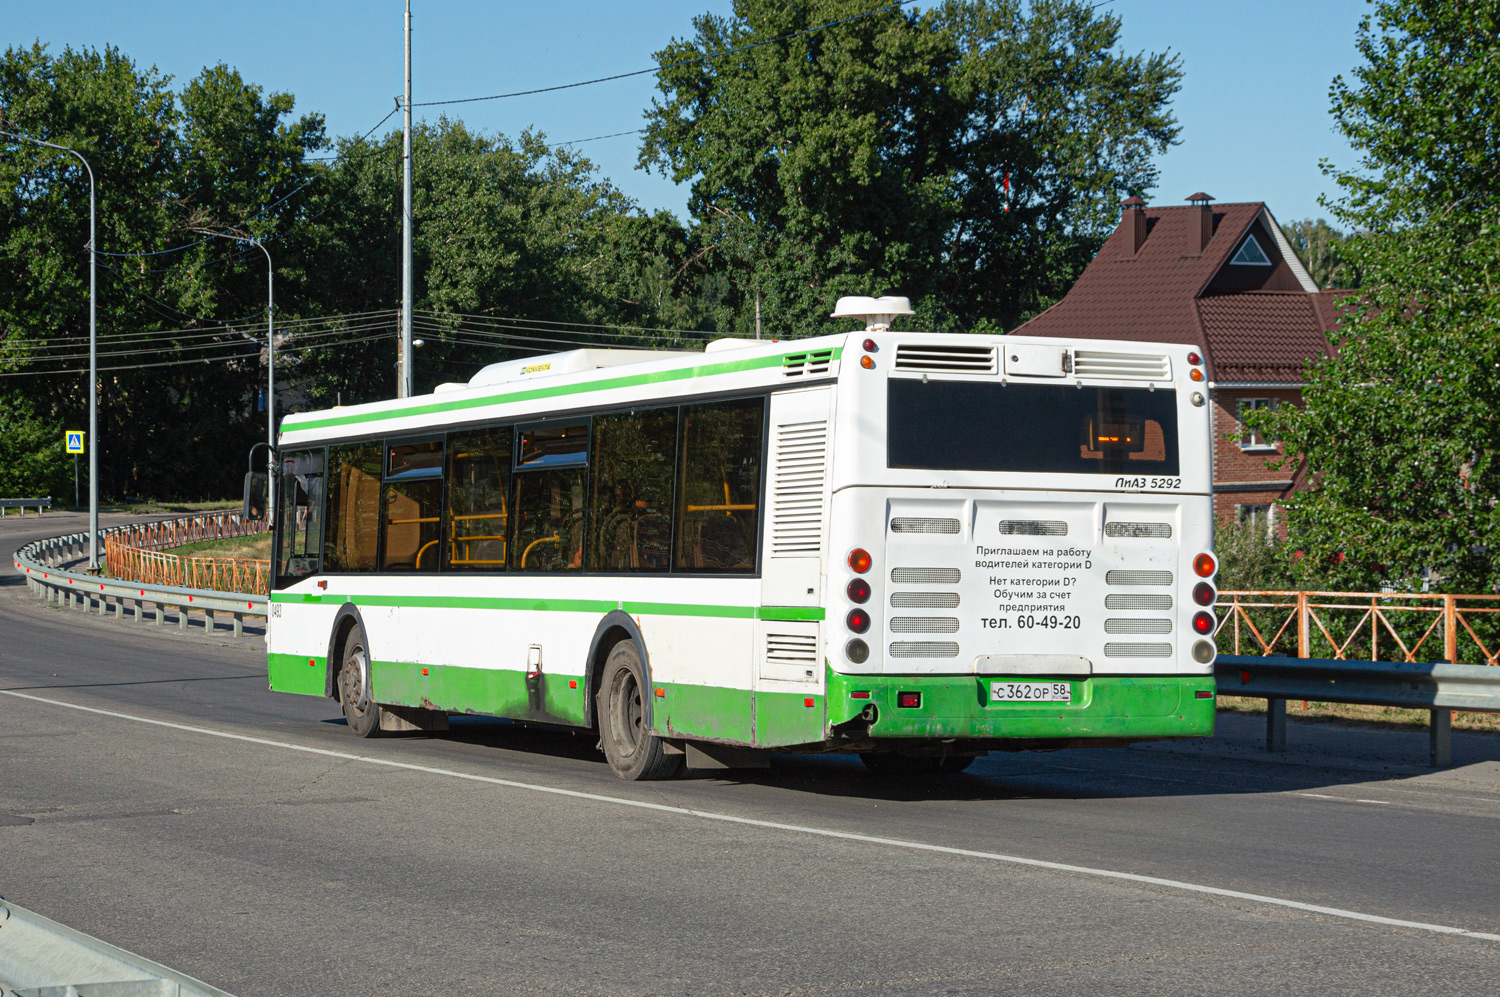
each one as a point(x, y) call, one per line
point(1236, 467)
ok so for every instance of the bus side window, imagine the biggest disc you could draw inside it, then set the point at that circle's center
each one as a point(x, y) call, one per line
point(719, 480)
point(413, 502)
point(300, 510)
point(631, 466)
point(352, 530)
point(549, 479)
point(478, 480)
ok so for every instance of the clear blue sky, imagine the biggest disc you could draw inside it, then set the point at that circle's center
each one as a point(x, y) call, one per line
point(1254, 104)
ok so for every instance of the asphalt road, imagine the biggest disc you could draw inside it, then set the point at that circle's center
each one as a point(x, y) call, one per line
point(153, 793)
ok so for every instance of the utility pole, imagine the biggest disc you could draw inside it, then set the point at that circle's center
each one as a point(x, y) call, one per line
point(270, 367)
point(404, 386)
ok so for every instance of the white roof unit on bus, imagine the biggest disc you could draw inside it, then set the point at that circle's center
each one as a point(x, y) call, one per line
point(877, 313)
point(565, 363)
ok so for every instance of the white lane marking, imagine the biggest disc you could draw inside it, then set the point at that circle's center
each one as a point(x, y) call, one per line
point(1343, 799)
point(869, 839)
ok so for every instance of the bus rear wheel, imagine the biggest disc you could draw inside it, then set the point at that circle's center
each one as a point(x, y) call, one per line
point(633, 752)
point(360, 710)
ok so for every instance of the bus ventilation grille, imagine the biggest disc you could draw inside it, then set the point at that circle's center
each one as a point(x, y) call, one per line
point(1162, 530)
point(1034, 527)
point(924, 600)
point(801, 460)
point(1122, 576)
point(946, 359)
point(1120, 600)
point(811, 364)
point(1121, 650)
point(792, 655)
point(925, 576)
point(1121, 366)
point(924, 625)
point(910, 524)
point(924, 649)
point(1137, 626)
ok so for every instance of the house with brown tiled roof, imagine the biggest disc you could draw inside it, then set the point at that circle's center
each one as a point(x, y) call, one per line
point(1222, 278)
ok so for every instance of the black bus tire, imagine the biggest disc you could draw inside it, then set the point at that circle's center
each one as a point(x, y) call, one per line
point(633, 752)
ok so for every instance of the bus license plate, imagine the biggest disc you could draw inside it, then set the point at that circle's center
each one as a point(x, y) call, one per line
point(1031, 692)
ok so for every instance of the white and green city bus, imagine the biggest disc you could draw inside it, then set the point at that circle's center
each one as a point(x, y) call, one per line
point(918, 547)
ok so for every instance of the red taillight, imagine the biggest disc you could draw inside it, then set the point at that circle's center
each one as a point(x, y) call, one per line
point(1203, 594)
point(909, 700)
point(859, 695)
point(859, 560)
point(859, 590)
point(869, 345)
point(1203, 623)
point(1194, 358)
point(858, 620)
point(1204, 565)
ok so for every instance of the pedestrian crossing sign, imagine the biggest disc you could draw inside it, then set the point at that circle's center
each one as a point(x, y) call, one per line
point(75, 440)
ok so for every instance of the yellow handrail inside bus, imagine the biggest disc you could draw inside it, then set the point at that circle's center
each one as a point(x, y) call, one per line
point(417, 566)
point(720, 508)
point(553, 539)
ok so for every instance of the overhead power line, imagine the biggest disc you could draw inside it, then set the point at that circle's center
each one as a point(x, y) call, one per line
point(672, 65)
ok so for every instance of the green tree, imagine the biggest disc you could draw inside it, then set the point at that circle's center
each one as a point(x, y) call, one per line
point(220, 156)
point(1400, 429)
point(508, 229)
point(1321, 249)
point(969, 155)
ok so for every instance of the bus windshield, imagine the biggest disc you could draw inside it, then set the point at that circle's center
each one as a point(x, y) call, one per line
point(1050, 428)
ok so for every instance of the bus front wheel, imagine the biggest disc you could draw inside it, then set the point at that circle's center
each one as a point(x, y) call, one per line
point(632, 750)
point(360, 710)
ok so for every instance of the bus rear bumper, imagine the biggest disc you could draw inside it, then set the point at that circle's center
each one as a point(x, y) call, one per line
point(1104, 708)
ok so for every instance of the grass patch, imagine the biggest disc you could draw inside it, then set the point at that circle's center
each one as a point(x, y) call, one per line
point(256, 546)
point(1388, 715)
point(153, 507)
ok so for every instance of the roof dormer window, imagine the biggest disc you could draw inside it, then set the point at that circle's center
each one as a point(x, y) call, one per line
point(1250, 254)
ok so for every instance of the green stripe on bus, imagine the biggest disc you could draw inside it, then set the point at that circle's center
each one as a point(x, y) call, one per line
point(293, 423)
point(600, 606)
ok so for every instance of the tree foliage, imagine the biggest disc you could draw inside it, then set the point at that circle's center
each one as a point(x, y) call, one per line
point(969, 155)
point(503, 228)
point(1322, 250)
point(1400, 429)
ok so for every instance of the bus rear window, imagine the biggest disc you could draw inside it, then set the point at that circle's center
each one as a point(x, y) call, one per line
point(1047, 428)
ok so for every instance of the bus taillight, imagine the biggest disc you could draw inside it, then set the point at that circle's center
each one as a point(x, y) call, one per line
point(858, 620)
point(1203, 623)
point(858, 590)
point(1204, 594)
point(1204, 565)
point(859, 560)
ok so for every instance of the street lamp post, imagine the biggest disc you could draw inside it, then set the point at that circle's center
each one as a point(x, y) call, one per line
point(93, 348)
point(270, 369)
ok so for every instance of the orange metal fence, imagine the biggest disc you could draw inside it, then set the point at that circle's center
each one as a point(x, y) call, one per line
point(134, 552)
point(1373, 626)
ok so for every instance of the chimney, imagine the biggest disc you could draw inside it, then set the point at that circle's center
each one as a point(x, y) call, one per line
point(1132, 226)
point(1200, 224)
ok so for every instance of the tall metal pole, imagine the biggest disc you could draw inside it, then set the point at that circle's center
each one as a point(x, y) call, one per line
point(93, 440)
point(270, 389)
point(404, 387)
point(270, 369)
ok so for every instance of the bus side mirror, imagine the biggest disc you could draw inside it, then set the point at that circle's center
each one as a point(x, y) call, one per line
point(254, 506)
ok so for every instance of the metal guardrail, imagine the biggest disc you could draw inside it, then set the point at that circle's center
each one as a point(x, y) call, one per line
point(41, 958)
point(43, 563)
point(1438, 687)
point(22, 504)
